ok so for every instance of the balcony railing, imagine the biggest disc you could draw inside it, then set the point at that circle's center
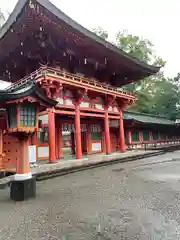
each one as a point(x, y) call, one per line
point(48, 71)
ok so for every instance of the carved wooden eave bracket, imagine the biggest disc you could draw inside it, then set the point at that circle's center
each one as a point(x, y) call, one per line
point(108, 99)
point(52, 88)
point(79, 95)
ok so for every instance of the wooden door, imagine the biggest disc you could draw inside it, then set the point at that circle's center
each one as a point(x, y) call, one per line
point(114, 140)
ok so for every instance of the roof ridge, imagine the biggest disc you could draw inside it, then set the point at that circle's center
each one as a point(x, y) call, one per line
point(147, 114)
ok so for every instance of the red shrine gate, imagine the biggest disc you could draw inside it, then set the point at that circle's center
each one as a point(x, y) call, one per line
point(79, 73)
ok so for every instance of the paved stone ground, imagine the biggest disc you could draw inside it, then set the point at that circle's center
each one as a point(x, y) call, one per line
point(124, 201)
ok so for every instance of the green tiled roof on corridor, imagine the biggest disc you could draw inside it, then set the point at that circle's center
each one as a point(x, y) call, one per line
point(146, 118)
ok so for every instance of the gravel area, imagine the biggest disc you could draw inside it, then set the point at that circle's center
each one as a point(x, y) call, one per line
point(121, 201)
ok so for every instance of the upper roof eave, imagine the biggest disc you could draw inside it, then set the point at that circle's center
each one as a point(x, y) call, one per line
point(62, 16)
point(147, 118)
point(30, 90)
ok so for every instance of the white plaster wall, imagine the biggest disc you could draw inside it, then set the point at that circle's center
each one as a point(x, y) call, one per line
point(43, 152)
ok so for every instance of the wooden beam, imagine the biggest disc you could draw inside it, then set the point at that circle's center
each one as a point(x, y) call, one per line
point(43, 113)
point(113, 117)
point(91, 115)
point(64, 112)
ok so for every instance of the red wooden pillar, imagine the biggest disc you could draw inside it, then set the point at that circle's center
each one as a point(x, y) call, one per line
point(103, 149)
point(51, 134)
point(107, 133)
point(129, 137)
point(72, 144)
point(59, 143)
point(61, 155)
point(89, 139)
point(140, 136)
point(150, 136)
point(103, 141)
point(77, 125)
point(121, 134)
point(1, 149)
point(23, 169)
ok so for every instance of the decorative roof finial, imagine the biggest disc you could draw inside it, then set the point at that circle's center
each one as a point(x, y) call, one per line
point(31, 5)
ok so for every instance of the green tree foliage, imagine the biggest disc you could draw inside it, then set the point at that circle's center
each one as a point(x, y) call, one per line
point(156, 94)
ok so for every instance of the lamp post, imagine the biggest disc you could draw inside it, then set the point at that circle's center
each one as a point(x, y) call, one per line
point(22, 121)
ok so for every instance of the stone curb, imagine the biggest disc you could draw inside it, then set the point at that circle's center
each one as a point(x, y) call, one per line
point(89, 165)
point(80, 166)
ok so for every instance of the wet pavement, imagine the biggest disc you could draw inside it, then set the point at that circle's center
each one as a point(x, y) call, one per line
point(136, 200)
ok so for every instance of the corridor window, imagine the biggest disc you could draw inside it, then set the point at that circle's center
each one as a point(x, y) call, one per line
point(155, 136)
point(146, 135)
point(135, 136)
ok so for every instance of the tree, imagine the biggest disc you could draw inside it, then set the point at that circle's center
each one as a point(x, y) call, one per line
point(156, 94)
point(139, 48)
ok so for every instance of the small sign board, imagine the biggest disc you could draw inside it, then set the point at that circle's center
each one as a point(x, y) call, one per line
point(32, 154)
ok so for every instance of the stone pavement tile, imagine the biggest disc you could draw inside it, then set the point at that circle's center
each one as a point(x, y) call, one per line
point(97, 204)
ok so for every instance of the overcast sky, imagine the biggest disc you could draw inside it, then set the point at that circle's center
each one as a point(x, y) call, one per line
point(157, 20)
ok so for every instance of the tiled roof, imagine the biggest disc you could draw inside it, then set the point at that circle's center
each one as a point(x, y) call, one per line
point(108, 47)
point(146, 118)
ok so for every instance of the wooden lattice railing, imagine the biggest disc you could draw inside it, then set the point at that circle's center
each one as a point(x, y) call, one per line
point(48, 71)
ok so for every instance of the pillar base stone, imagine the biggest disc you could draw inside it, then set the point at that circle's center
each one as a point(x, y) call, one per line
point(21, 190)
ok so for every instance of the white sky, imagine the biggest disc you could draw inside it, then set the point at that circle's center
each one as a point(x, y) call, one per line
point(156, 20)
